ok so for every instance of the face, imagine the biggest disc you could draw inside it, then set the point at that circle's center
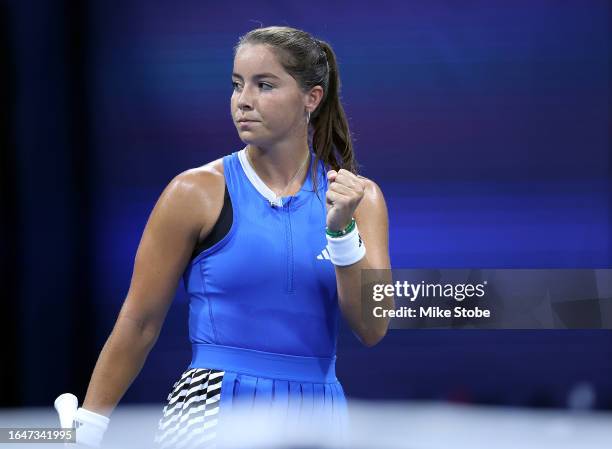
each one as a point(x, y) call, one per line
point(266, 94)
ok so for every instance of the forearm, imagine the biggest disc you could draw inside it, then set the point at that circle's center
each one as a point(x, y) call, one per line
point(120, 361)
point(369, 329)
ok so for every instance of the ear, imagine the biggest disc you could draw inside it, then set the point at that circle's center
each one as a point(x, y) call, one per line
point(313, 98)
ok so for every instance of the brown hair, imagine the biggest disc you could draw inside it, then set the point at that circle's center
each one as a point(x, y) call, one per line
point(312, 62)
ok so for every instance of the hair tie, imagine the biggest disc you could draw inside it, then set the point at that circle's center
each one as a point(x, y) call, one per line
point(322, 48)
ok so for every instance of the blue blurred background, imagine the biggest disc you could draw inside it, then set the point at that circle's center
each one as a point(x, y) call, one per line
point(486, 124)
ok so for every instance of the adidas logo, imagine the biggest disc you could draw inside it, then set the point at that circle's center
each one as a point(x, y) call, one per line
point(324, 255)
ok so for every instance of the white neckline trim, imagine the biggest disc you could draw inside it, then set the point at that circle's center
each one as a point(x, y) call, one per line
point(257, 182)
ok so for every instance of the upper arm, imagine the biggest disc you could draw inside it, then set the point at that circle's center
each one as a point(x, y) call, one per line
point(170, 235)
point(373, 222)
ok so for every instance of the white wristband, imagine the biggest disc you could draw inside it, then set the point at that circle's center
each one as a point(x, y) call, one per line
point(346, 250)
point(90, 427)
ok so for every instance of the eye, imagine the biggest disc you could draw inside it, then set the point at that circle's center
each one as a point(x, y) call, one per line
point(262, 85)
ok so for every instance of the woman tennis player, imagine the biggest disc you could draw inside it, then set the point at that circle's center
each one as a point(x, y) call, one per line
point(270, 241)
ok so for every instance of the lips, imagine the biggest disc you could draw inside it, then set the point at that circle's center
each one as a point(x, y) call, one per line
point(244, 120)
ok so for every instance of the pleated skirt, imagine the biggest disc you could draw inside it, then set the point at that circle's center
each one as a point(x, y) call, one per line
point(222, 382)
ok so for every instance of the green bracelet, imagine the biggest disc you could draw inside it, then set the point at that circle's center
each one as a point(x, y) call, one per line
point(342, 232)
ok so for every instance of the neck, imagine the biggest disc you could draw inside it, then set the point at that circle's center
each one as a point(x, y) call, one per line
point(277, 166)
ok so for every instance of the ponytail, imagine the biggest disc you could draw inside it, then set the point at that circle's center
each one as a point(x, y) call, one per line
point(331, 140)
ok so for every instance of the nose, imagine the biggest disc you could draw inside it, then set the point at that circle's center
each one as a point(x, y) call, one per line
point(245, 99)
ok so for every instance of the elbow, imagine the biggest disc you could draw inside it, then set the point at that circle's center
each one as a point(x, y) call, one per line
point(371, 339)
point(145, 331)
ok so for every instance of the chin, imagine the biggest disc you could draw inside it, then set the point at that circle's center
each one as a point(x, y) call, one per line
point(249, 139)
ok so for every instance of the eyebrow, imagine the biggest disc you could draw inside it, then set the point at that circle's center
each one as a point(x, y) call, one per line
point(258, 76)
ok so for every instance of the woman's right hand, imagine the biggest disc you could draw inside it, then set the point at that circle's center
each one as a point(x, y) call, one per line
point(184, 213)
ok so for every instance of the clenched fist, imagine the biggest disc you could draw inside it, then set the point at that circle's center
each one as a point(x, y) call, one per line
point(344, 193)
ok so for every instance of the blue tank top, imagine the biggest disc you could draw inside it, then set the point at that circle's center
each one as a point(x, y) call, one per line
point(268, 284)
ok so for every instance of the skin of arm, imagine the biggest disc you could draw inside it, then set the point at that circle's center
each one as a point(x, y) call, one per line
point(184, 214)
point(362, 198)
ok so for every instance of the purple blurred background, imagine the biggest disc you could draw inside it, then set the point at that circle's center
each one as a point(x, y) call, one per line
point(486, 124)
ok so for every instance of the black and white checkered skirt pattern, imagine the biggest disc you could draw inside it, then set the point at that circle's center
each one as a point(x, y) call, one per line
point(190, 418)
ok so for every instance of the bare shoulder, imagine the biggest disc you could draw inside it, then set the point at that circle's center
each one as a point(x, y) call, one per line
point(197, 194)
point(373, 220)
point(202, 180)
point(372, 197)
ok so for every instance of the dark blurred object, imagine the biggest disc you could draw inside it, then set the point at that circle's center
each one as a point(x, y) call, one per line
point(46, 202)
point(9, 253)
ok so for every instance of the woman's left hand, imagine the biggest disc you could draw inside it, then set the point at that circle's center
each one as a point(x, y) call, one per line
point(344, 193)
